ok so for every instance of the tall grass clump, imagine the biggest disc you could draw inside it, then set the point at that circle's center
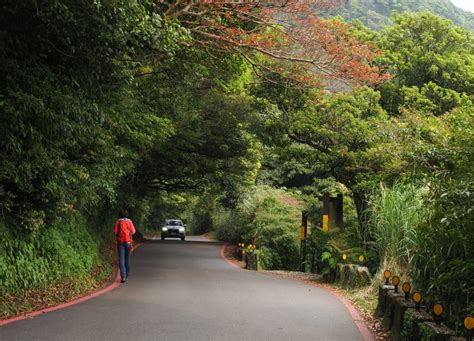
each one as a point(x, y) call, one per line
point(396, 215)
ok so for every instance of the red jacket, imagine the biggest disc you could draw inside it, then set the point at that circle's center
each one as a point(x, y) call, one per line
point(128, 228)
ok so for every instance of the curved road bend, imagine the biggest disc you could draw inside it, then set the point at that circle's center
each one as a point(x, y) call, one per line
point(186, 291)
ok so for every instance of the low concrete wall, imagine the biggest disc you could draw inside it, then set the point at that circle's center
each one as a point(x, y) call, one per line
point(353, 275)
point(405, 322)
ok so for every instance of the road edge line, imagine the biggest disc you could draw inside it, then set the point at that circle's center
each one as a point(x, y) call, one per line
point(114, 285)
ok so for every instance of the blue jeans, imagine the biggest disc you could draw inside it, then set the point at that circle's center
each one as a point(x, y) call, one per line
point(124, 259)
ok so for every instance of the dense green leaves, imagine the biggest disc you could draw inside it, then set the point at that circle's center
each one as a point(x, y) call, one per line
point(376, 14)
point(424, 51)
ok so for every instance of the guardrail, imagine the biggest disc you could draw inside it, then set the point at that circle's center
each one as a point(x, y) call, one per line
point(407, 318)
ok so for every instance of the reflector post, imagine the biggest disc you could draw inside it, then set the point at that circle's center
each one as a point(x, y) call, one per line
point(396, 282)
point(387, 274)
point(469, 323)
point(406, 287)
point(416, 297)
point(438, 310)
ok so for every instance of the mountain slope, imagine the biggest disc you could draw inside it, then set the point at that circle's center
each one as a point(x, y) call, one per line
point(376, 13)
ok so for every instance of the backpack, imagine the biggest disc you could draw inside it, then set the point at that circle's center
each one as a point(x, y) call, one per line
point(124, 235)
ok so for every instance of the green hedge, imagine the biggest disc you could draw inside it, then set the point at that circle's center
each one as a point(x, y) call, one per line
point(263, 217)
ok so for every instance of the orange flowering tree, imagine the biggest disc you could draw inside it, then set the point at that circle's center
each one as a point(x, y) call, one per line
point(267, 33)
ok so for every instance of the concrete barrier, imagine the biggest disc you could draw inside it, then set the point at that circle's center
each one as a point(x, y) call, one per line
point(404, 319)
point(390, 309)
point(411, 324)
point(382, 301)
point(353, 275)
point(401, 305)
point(435, 332)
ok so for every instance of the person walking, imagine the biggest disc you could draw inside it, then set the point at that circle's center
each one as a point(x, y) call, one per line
point(124, 230)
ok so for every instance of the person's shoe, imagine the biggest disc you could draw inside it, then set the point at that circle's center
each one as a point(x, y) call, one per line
point(123, 280)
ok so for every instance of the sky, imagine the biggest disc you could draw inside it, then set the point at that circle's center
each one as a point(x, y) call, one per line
point(467, 5)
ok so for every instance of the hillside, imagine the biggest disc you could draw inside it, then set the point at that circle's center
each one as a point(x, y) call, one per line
point(376, 13)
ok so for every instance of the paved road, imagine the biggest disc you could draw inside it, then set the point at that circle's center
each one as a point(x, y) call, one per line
point(186, 291)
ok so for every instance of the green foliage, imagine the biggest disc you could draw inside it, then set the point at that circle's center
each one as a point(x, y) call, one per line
point(342, 137)
point(329, 259)
point(65, 251)
point(66, 143)
point(426, 52)
point(408, 324)
point(107, 103)
point(427, 333)
point(325, 250)
point(442, 264)
point(262, 218)
point(413, 135)
point(396, 216)
point(376, 14)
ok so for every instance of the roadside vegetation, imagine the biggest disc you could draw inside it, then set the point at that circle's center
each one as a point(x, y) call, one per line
point(214, 114)
point(402, 152)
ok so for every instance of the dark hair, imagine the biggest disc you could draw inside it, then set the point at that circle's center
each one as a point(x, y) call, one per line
point(123, 213)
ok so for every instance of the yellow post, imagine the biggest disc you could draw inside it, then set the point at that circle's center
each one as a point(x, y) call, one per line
point(325, 222)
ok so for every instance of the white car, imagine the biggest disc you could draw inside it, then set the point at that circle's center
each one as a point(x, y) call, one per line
point(173, 228)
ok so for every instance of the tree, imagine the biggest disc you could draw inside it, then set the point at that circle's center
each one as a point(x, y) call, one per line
point(281, 31)
point(341, 137)
point(423, 49)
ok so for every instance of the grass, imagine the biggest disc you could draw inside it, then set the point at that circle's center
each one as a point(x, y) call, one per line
point(396, 215)
point(63, 290)
point(365, 299)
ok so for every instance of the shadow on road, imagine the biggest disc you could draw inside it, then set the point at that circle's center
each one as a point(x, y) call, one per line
point(189, 240)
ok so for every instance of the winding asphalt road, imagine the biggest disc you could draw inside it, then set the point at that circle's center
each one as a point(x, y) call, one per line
point(186, 291)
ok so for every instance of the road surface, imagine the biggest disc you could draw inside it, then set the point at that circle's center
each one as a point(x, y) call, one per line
point(186, 291)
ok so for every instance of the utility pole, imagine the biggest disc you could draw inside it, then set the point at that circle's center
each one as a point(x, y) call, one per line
point(304, 233)
point(326, 210)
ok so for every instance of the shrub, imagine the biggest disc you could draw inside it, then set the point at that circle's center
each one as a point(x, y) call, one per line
point(442, 265)
point(268, 218)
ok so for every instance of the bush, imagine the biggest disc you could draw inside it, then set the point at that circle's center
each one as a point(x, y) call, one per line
point(442, 265)
point(268, 218)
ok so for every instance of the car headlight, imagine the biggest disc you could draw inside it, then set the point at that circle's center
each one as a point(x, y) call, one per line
point(164, 229)
point(181, 229)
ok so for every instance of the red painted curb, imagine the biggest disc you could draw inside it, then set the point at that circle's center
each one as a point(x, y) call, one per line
point(358, 320)
point(111, 287)
point(222, 253)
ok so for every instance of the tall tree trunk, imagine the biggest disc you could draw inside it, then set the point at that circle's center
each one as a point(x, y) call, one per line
point(361, 204)
point(213, 211)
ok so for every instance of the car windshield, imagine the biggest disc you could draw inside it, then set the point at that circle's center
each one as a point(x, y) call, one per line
point(174, 223)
